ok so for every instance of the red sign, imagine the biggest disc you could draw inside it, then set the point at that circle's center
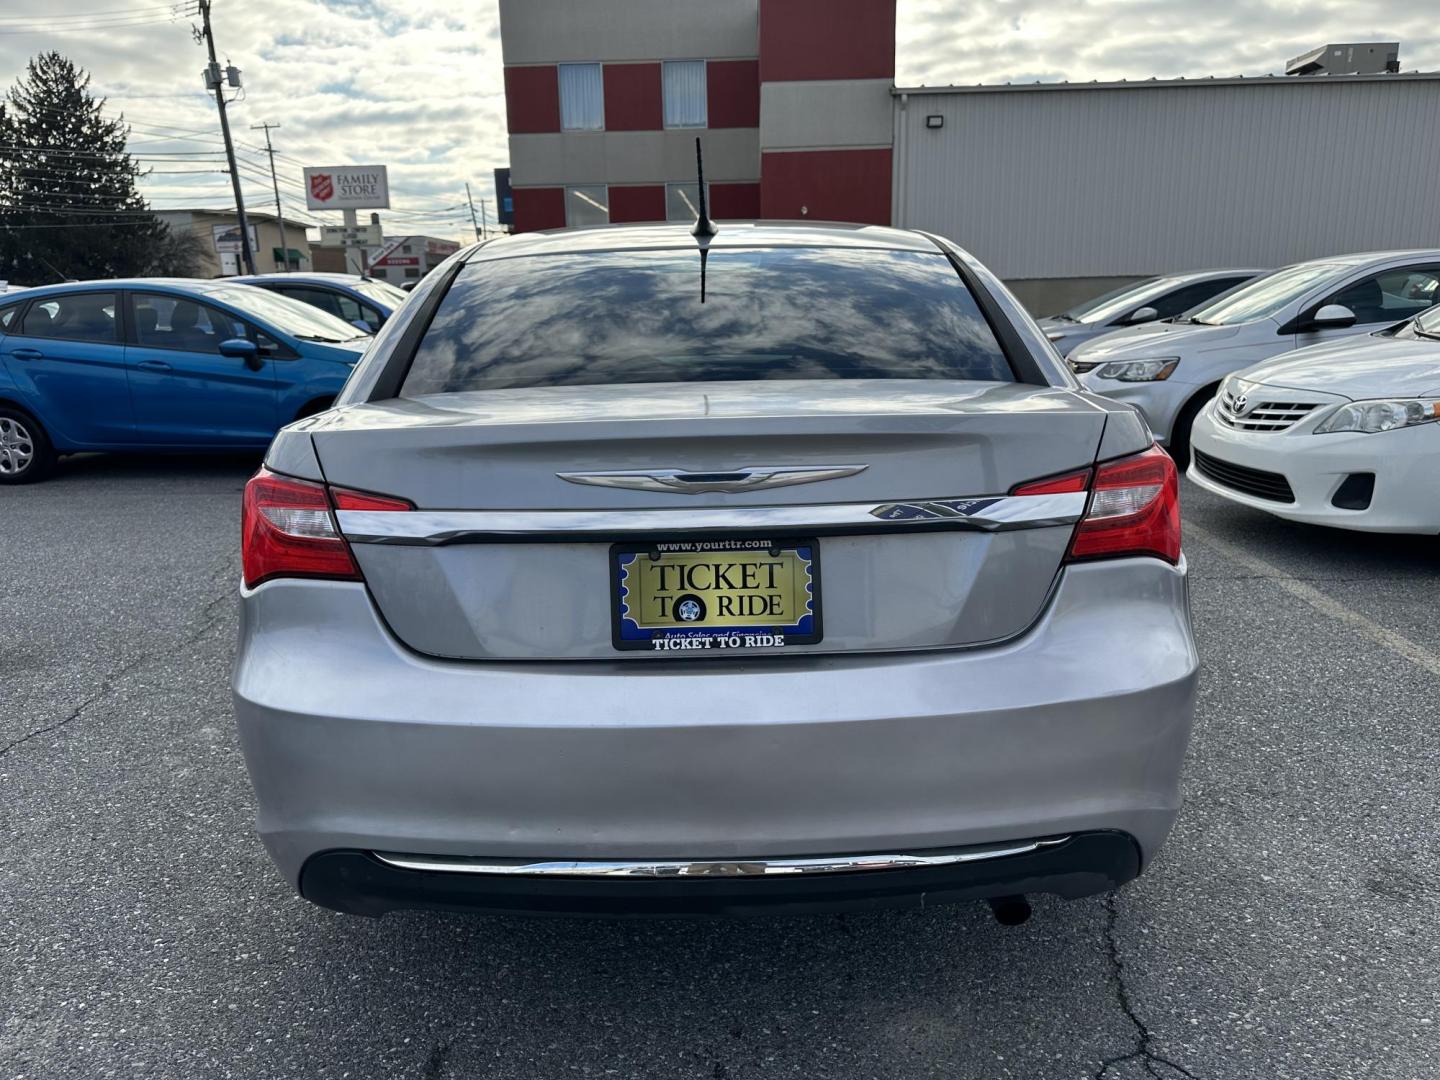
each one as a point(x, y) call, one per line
point(397, 260)
point(322, 186)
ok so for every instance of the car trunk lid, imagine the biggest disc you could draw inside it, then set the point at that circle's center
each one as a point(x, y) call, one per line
point(896, 491)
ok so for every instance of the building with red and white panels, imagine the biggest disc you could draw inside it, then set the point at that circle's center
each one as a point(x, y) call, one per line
point(791, 99)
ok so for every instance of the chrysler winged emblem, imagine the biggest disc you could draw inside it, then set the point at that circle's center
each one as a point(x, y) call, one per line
point(681, 482)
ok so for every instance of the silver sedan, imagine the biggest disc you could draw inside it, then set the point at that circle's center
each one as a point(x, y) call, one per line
point(641, 572)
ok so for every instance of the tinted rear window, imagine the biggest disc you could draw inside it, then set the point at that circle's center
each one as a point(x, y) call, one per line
point(767, 313)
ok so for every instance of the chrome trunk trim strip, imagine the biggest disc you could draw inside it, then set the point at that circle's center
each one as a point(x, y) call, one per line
point(711, 868)
point(434, 527)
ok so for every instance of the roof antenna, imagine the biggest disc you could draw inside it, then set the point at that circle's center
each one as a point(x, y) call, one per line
point(704, 227)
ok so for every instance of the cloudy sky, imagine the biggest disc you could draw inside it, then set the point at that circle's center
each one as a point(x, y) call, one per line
point(416, 84)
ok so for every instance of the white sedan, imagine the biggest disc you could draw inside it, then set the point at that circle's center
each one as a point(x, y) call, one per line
point(1342, 434)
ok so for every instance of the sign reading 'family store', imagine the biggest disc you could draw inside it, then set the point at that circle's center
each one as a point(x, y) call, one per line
point(347, 187)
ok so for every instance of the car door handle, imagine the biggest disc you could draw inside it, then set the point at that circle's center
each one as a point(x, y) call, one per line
point(27, 354)
point(154, 365)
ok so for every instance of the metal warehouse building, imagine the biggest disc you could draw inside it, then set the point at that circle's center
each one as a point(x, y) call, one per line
point(1059, 187)
point(1064, 189)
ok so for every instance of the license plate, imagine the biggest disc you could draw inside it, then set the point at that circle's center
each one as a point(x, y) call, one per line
point(714, 595)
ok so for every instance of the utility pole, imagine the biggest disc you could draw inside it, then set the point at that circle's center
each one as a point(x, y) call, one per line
point(279, 213)
point(214, 81)
point(471, 200)
point(484, 220)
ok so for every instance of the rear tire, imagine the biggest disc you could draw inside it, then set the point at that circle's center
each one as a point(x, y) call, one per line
point(25, 451)
point(1179, 445)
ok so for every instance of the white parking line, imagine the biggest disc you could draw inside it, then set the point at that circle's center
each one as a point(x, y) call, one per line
point(1402, 646)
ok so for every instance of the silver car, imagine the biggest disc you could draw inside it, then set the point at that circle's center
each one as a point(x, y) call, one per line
point(1169, 371)
point(1151, 300)
point(641, 573)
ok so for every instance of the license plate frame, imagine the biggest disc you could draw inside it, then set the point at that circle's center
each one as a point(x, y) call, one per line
point(761, 634)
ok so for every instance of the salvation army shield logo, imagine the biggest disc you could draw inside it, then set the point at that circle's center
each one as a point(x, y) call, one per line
point(322, 186)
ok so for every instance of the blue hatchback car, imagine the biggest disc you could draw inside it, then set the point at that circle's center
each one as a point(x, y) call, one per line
point(160, 365)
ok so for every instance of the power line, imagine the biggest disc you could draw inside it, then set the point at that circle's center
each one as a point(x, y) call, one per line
point(51, 161)
point(70, 211)
point(432, 208)
point(89, 14)
point(61, 151)
point(91, 27)
point(77, 225)
point(72, 178)
point(157, 129)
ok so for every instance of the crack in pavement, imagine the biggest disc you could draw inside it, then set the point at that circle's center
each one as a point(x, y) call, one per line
point(1143, 1051)
point(210, 619)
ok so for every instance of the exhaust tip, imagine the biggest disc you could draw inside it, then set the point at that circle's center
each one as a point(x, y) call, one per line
point(1009, 910)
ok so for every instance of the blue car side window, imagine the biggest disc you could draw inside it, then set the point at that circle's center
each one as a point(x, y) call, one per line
point(87, 317)
point(177, 322)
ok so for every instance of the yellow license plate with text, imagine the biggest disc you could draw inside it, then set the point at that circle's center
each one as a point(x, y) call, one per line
point(716, 595)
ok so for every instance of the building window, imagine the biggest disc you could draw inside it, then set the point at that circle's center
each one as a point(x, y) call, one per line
point(405, 249)
point(582, 98)
point(682, 201)
point(684, 84)
point(378, 272)
point(412, 271)
point(587, 205)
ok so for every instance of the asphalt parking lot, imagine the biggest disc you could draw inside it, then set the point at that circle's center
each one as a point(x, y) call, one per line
point(1288, 931)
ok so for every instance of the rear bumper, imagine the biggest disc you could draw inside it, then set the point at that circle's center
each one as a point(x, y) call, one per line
point(359, 883)
point(355, 744)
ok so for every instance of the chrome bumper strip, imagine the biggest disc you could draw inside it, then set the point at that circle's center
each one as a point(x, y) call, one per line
point(835, 864)
point(985, 513)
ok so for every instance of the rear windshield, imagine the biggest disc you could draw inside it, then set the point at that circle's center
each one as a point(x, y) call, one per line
point(766, 313)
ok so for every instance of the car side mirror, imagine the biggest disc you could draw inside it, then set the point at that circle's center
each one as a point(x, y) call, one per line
point(1332, 317)
point(1142, 315)
point(242, 349)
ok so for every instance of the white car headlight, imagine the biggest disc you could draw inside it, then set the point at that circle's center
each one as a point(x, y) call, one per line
point(1156, 370)
point(1372, 416)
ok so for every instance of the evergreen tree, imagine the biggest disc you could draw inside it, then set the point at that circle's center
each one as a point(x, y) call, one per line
point(68, 203)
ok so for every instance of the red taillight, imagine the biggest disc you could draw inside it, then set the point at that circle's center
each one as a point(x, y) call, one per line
point(1056, 485)
point(1134, 510)
point(346, 499)
point(287, 530)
